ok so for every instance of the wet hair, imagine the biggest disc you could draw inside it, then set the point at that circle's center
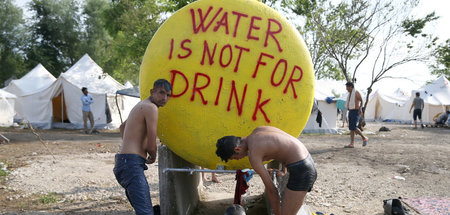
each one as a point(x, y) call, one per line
point(162, 83)
point(417, 94)
point(225, 146)
point(83, 89)
point(235, 209)
point(349, 84)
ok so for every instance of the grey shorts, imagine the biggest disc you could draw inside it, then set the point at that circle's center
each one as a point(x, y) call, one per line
point(302, 175)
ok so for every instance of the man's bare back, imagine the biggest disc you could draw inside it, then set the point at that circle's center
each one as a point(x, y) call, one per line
point(139, 130)
point(269, 143)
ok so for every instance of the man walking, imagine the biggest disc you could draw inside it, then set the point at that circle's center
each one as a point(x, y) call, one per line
point(87, 100)
point(354, 105)
point(418, 105)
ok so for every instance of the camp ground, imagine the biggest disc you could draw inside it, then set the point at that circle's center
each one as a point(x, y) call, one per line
point(395, 106)
point(278, 74)
point(49, 102)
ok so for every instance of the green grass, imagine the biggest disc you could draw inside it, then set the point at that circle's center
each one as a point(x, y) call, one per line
point(49, 198)
point(3, 170)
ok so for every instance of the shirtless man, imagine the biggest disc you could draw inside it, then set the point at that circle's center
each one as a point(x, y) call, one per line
point(139, 147)
point(266, 143)
point(354, 106)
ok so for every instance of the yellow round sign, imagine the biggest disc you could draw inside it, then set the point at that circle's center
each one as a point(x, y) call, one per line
point(234, 65)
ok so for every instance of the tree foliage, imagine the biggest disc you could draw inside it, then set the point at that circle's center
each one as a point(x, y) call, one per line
point(442, 64)
point(11, 40)
point(132, 24)
point(56, 34)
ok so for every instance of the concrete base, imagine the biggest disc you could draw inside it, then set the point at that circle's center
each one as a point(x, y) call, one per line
point(178, 191)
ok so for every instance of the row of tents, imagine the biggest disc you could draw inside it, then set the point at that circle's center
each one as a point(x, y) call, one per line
point(49, 102)
point(382, 106)
point(395, 107)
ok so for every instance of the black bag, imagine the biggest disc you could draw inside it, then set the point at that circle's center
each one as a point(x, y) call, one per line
point(394, 207)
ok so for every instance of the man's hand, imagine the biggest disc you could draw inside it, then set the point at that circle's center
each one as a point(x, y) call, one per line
point(150, 159)
point(279, 172)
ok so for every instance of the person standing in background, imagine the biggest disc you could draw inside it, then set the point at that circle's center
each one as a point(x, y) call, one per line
point(418, 105)
point(87, 100)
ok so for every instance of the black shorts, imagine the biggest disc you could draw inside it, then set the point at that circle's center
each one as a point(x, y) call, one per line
point(302, 175)
point(417, 113)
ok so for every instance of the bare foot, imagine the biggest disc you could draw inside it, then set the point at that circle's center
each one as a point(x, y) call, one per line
point(216, 180)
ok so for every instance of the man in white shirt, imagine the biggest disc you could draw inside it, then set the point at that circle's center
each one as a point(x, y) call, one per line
point(87, 100)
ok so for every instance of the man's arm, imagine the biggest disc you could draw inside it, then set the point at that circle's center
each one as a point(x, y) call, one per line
point(423, 104)
point(412, 105)
point(272, 192)
point(151, 121)
point(85, 100)
point(122, 128)
point(359, 101)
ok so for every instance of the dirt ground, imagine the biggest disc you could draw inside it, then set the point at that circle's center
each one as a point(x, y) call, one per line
point(72, 173)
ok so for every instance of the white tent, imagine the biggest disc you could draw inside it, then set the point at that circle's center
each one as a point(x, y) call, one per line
point(101, 86)
point(324, 89)
point(7, 101)
point(386, 106)
point(47, 102)
point(128, 84)
point(32, 95)
point(436, 96)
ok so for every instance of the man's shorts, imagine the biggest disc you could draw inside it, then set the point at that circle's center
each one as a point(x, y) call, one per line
point(353, 119)
point(417, 113)
point(302, 175)
point(129, 172)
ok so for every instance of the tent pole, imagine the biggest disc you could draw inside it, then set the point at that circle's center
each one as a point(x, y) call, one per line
point(118, 108)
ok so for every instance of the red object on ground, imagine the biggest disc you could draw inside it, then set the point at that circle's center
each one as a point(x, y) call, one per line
point(241, 186)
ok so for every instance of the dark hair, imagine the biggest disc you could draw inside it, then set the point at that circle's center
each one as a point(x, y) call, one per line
point(83, 89)
point(162, 83)
point(225, 146)
point(235, 209)
point(417, 94)
point(349, 84)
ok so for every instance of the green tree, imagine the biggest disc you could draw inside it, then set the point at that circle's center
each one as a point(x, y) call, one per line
point(55, 34)
point(377, 33)
point(11, 41)
point(95, 39)
point(442, 63)
point(132, 24)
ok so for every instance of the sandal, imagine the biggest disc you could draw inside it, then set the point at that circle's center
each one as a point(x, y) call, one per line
point(349, 146)
point(365, 141)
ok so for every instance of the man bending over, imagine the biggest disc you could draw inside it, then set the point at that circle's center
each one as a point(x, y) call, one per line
point(266, 143)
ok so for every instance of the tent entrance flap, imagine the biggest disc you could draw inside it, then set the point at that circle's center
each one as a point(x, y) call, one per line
point(59, 109)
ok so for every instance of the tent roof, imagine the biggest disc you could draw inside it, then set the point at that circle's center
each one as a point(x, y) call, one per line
point(4, 94)
point(34, 81)
point(86, 73)
point(436, 93)
point(128, 84)
point(398, 96)
point(327, 88)
point(133, 92)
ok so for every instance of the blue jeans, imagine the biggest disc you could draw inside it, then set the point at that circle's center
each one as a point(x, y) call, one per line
point(129, 172)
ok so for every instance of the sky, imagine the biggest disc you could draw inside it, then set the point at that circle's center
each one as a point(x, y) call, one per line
point(418, 73)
